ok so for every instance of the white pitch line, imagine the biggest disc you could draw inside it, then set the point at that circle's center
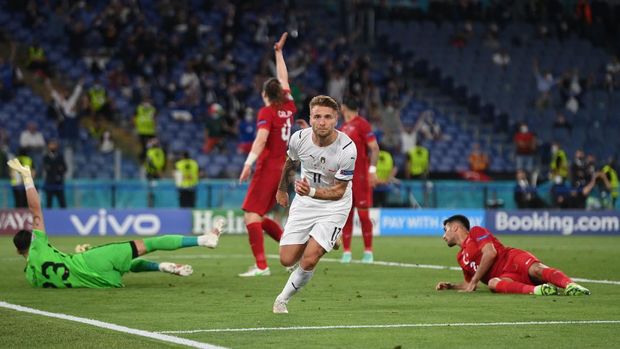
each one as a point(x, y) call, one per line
point(113, 327)
point(457, 324)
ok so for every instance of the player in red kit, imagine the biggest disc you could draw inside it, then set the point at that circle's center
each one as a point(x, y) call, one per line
point(269, 152)
point(504, 269)
point(360, 131)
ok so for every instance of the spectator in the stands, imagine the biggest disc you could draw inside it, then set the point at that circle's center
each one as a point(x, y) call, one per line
point(525, 148)
point(155, 162)
point(54, 169)
point(391, 123)
point(408, 137)
point(337, 83)
point(32, 142)
point(525, 192)
point(579, 195)
point(145, 124)
point(418, 163)
point(559, 162)
point(478, 160)
point(64, 108)
point(544, 85)
point(427, 126)
point(560, 193)
point(99, 103)
point(578, 168)
point(611, 173)
point(214, 128)
point(190, 83)
point(571, 90)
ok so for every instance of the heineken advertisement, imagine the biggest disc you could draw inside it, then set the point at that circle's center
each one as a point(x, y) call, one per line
point(202, 220)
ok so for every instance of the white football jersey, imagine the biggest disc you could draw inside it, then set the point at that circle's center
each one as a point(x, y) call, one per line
point(322, 166)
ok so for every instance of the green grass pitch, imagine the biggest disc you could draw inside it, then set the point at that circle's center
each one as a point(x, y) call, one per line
point(374, 295)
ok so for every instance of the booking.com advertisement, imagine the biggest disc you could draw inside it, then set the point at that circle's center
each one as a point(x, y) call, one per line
point(554, 222)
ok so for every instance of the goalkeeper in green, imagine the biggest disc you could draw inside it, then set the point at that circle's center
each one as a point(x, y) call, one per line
point(98, 267)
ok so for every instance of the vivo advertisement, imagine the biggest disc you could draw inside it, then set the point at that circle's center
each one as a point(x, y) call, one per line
point(101, 222)
point(422, 222)
point(554, 222)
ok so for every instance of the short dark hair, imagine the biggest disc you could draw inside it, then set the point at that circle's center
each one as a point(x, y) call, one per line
point(458, 218)
point(324, 101)
point(273, 90)
point(350, 103)
point(22, 240)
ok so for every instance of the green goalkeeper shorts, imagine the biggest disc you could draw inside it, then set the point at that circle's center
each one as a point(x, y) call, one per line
point(110, 261)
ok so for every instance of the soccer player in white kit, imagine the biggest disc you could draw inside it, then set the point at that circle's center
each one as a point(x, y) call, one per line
point(323, 201)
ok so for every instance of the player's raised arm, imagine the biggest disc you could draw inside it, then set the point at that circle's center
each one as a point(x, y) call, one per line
point(281, 71)
point(34, 203)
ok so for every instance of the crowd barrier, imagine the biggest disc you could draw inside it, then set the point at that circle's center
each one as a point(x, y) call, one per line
point(229, 194)
point(386, 221)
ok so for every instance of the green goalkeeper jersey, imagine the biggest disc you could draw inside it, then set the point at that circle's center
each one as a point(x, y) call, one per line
point(49, 268)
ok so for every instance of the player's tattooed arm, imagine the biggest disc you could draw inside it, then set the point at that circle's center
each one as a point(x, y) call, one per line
point(335, 192)
point(288, 173)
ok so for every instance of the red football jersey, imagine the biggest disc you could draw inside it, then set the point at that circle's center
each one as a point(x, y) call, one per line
point(471, 253)
point(360, 132)
point(278, 120)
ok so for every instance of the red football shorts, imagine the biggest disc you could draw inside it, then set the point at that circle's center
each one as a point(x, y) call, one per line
point(362, 192)
point(261, 195)
point(517, 264)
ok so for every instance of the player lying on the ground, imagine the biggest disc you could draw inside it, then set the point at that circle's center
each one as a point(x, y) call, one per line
point(101, 266)
point(504, 269)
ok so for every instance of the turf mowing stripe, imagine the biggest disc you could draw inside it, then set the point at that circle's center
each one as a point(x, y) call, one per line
point(113, 327)
point(457, 324)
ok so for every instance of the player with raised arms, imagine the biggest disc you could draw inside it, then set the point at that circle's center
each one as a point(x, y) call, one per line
point(269, 152)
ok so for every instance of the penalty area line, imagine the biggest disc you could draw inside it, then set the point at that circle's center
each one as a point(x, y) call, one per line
point(110, 326)
point(421, 325)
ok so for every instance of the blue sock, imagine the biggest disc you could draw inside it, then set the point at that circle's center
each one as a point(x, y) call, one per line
point(140, 265)
point(189, 241)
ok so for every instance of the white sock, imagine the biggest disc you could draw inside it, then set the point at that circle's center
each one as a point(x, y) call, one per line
point(295, 282)
point(209, 240)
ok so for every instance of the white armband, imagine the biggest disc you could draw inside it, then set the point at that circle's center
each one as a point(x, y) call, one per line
point(312, 192)
point(372, 169)
point(251, 159)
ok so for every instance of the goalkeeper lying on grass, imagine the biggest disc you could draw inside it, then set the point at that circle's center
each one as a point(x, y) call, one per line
point(101, 266)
